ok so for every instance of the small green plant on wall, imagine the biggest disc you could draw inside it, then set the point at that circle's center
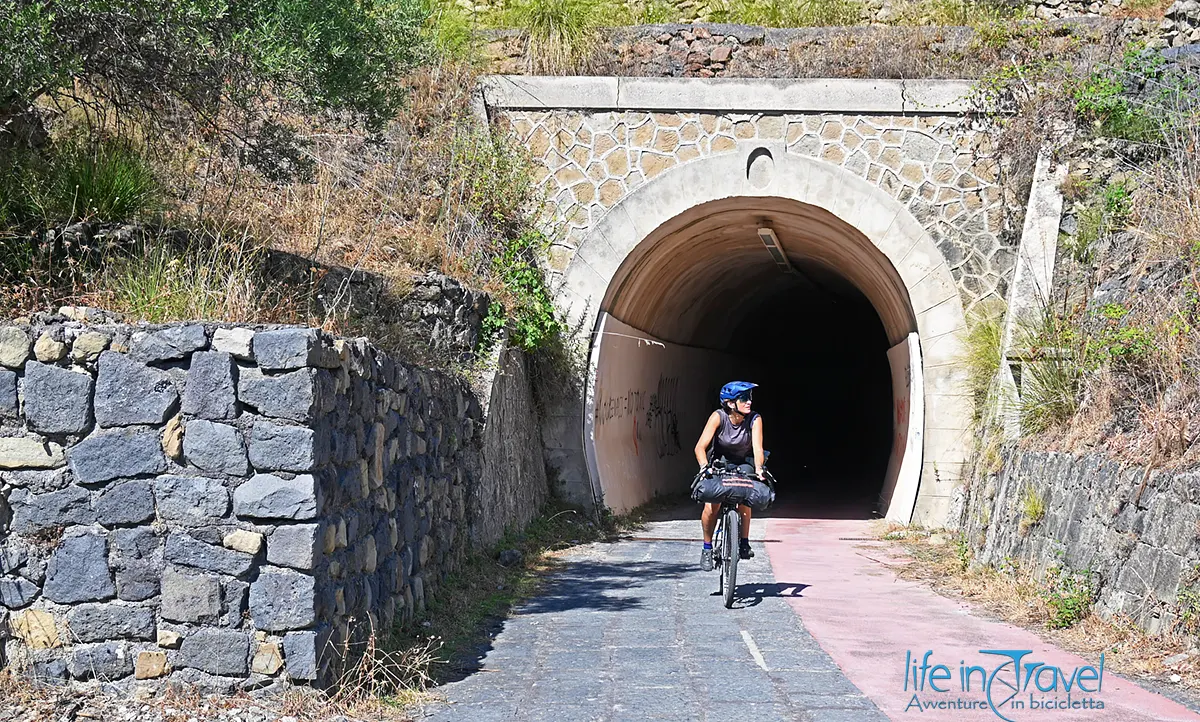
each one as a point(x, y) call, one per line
point(1187, 602)
point(1033, 509)
point(530, 310)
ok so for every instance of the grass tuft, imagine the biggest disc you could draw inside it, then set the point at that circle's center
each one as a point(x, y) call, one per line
point(205, 277)
point(790, 13)
point(562, 33)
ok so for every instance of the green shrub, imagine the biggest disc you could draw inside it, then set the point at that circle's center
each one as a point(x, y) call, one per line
point(1069, 596)
point(1106, 98)
point(151, 57)
point(562, 33)
point(530, 308)
point(1103, 214)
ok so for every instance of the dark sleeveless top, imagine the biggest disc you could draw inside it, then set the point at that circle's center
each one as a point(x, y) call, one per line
point(734, 441)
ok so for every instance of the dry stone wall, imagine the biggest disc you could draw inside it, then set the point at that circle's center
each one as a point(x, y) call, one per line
point(941, 168)
point(227, 507)
point(1137, 533)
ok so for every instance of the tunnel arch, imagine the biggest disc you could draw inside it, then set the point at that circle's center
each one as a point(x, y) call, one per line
point(657, 272)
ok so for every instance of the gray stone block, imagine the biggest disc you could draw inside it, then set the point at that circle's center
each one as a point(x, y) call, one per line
point(139, 580)
point(282, 599)
point(106, 662)
point(133, 544)
point(217, 448)
point(289, 348)
point(1166, 575)
point(274, 447)
point(302, 652)
point(57, 400)
point(211, 386)
point(37, 511)
point(266, 496)
point(38, 481)
point(190, 499)
point(129, 502)
point(78, 570)
point(130, 393)
point(233, 602)
point(292, 395)
point(13, 556)
point(190, 598)
point(118, 453)
point(216, 651)
point(295, 545)
point(101, 622)
point(8, 395)
point(53, 671)
point(170, 343)
point(17, 593)
point(187, 551)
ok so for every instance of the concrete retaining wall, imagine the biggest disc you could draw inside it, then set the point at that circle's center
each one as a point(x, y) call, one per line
point(1143, 549)
point(226, 507)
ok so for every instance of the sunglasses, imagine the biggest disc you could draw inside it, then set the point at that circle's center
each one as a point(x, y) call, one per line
point(747, 397)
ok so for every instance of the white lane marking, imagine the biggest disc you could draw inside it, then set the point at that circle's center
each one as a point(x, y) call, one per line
point(758, 658)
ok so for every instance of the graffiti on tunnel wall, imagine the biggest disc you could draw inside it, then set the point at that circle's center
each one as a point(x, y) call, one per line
point(651, 415)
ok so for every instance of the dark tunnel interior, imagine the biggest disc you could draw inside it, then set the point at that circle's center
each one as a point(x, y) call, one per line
point(819, 352)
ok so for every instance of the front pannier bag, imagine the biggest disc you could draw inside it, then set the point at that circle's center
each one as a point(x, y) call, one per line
point(732, 488)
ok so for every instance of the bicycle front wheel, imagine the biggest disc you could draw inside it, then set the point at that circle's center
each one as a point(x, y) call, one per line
point(733, 533)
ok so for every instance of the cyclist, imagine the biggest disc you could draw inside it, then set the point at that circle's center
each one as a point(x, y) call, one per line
point(735, 434)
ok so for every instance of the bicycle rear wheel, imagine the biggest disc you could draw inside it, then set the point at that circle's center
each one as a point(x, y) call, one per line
point(730, 549)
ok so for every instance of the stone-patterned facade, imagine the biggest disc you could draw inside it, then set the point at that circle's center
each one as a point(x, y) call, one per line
point(944, 171)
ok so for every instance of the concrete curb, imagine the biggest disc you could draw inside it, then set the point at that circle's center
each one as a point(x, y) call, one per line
point(730, 95)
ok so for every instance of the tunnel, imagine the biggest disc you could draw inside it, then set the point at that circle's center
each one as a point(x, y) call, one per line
point(763, 289)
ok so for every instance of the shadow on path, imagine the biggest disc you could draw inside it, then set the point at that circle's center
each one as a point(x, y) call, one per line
point(751, 595)
point(600, 586)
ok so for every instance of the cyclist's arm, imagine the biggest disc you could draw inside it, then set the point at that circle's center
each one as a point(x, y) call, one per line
point(706, 437)
point(756, 438)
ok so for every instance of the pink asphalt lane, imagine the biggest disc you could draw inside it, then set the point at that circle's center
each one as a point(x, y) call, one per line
point(867, 619)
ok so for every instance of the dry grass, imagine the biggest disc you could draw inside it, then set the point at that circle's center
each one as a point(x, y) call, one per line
point(1144, 9)
point(432, 192)
point(25, 701)
point(1016, 596)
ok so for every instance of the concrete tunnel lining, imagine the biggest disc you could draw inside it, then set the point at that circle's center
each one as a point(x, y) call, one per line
point(639, 268)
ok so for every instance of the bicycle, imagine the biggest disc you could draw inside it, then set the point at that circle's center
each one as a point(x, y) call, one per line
point(727, 534)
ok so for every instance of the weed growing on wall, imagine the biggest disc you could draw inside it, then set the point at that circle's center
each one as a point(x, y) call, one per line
point(1033, 509)
point(532, 318)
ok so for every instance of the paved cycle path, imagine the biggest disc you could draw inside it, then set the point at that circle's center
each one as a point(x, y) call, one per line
point(634, 631)
point(868, 619)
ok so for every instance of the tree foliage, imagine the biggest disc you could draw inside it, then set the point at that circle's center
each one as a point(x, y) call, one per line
point(150, 56)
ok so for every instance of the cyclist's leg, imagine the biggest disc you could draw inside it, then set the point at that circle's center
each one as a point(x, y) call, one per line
point(746, 513)
point(708, 520)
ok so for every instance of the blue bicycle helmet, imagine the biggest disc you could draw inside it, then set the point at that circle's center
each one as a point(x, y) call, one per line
point(734, 389)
